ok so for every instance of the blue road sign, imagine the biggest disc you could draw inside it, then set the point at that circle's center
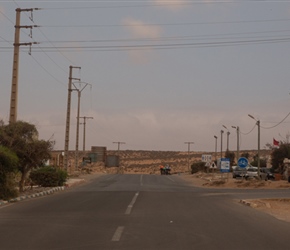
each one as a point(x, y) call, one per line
point(243, 162)
point(225, 165)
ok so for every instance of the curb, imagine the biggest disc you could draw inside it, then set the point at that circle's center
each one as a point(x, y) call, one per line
point(24, 197)
point(248, 203)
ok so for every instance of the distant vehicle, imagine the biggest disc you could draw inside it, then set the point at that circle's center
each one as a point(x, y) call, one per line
point(266, 174)
point(252, 172)
point(239, 172)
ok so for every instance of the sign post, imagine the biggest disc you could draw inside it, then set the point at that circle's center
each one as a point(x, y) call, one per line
point(225, 166)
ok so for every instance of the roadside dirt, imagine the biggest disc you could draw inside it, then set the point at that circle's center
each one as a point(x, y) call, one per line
point(279, 208)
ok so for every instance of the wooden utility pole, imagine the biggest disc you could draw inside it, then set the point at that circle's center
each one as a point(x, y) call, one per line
point(66, 143)
point(17, 44)
point(84, 134)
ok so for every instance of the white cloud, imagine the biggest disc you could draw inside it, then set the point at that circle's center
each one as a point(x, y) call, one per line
point(172, 5)
point(140, 29)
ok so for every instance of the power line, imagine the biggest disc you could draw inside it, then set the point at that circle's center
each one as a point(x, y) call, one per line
point(277, 123)
point(47, 71)
point(156, 4)
point(250, 130)
point(164, 24)
point(55, 47)
point(160, 46)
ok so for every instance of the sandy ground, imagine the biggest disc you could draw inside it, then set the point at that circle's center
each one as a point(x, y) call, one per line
point(279, 208)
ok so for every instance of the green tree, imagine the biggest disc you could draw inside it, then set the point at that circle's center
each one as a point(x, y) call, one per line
point(22, 138)
point(246, 155)
point(278, 156)
point(8, 165)
point(263, 162)
point(231, 156)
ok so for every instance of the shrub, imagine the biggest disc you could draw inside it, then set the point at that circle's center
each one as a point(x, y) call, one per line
point(48, 176)
point(8, 166)
point(8, 188)
point(198, 166)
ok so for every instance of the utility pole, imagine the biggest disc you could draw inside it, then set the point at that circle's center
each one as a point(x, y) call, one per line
point(84, 135)
point(66, 143)
point(17, 44)
point(222, 143)
point(78, 123)
point(238, 141)
point(228, 134)
point(188, 148)
point(215, 146)
point(119, 143)
point(258, 123)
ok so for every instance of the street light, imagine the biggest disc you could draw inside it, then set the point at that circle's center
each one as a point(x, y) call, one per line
point(215, 145)
point(238, 141)
point(258, 124)
point(228, 134)
point(222, 143)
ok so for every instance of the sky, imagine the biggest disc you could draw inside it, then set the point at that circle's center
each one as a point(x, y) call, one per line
point(154, 74)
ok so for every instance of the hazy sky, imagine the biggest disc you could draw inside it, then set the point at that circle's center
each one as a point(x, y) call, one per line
point(162, 72)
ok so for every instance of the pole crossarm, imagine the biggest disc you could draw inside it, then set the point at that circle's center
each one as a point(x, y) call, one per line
point(119, 143)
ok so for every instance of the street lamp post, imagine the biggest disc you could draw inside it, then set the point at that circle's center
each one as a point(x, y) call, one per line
point(258, 124)
point(238, 141)
point(228, 134)
point(215, 146)
point(222, 143)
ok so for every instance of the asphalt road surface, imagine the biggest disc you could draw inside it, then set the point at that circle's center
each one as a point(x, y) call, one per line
point(142, 212)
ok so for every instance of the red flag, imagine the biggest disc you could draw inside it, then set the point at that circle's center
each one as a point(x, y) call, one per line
point(275, 143)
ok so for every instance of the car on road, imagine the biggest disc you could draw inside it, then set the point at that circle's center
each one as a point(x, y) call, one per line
point(265, 174)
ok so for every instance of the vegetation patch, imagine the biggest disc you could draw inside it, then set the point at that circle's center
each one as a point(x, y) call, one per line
point(49, 176)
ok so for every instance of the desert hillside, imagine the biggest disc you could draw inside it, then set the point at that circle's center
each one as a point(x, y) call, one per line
point(140, 161)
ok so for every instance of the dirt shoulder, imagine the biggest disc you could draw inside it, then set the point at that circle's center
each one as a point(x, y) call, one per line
point(279, 208)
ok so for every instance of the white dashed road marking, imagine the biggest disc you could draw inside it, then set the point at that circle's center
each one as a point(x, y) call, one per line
point(129, 208)
point(117, 235)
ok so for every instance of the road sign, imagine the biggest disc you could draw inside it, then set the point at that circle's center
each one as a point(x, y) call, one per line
point(243, 162)
point(225, 165)
point(206, 158)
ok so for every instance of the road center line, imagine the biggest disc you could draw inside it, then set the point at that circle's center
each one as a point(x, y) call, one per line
point(170, 179)
point(117, 235)
point(129, 208)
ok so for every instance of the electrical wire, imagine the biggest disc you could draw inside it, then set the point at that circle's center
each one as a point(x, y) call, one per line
point(160, 46)
point(56, 48)
point(6, 17)
point(156, 4)
point(47, 71)
point(163, 24)
point(277, 123)
point(248, 132)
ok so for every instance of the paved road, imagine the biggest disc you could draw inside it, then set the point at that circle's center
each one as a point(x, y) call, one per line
point(142, 212)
